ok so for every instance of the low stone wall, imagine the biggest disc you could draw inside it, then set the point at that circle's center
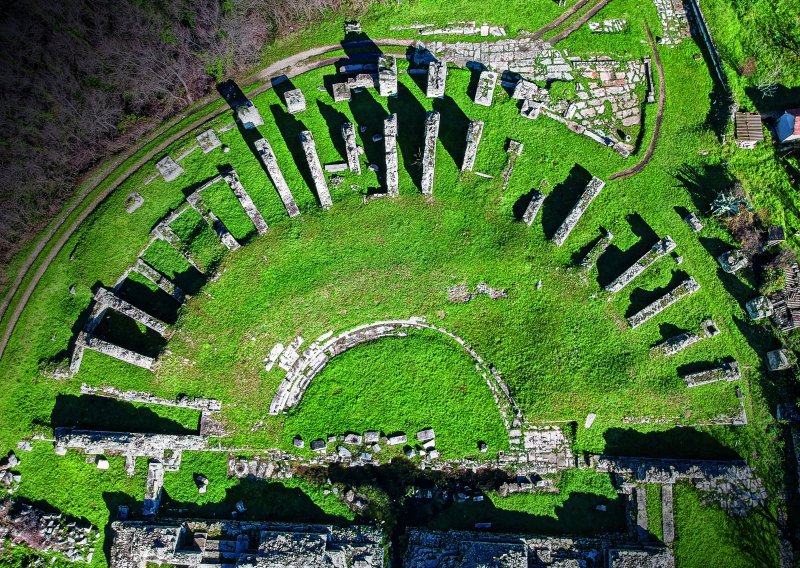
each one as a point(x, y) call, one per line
point(474, 134)
point(726, 372)
point(196, 202)
point(432, 120)
point(200, 404)
point(513, 151)
point(537, 199)
point(314, 166)
point(592, 190)
point(232, 179)
point(685, 288)
point(109, 300)
point(590, 260)
point(86, 340)
point(133, 444)
point(680, 342)
point(658, 250)
point(390, 145)
point(276, 175)
point(351, 147)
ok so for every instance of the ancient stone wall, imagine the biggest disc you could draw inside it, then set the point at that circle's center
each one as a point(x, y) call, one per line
point(109, 300)
point(726, 372)
point(351, 147)
point(387, 75)
point(267, 156)
point(232, 179)
point(86, 340)
point(432, 120)
point(590, 260)
point(513, 151)
point(196, 202)
point(193, 403)
point(321, 185)
point(437, 75)
point(658, 250)
point(537, 199)
point(125, 443)
point(474, 134)
point(390, 145)
point(159, 280)
point(592, 190)
point(685, 288)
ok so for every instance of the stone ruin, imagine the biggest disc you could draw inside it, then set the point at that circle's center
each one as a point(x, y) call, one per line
point(454, 549)
point(390, 145)
point(455, 28)
point(590, 260)
point(301, 368)
point(725, 372)
point(165, 284)
point(675, 25)
point(208, 141)
point(474, 134)
point(246, 544)
point(295, 101)
point(662, 248)
point(387, 75)
point(694, 222)
point(732, 261)
point(609, 26)
point(732, 484)
point(107, 300)
point(432, 120)
point(47, 532)
point(534, 205)
point(248, 116)
point(786, 303)
point(484, 93)
point(680, 342)
point(195, 201)
point(685, 288)
point(341, 92)
point(351, 147)
point(182, 401)
point(232, 179)
point(8, 479)
point(539, 449)
point(168, 168)
point(267, 157)
point(592, 190)
point(86, 340)
point(513, 151)
point(437, 75)
point(759, 308)
point(133, 202)
point(778, 360)
point(460, 294)
point(314, 166)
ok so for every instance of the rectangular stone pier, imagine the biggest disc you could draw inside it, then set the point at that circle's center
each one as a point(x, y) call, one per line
point(533, 207)
point(276, 175)
point(661, 248)
point(680, 342)
point(232, 179)
point(432, 120)
point(387, 75)
point(320, 183)
point(596, 251)
point(108, 299)
point(484, 93)
point(473, 139)
point(726, 372)
point(213, 221)
point(667, 515)
point(159, 280)
point(685, 288)
point(592, 190)
point(88, 341)
point(390, 144)
point(351, 147)
point(513, 152)
point(437, 74)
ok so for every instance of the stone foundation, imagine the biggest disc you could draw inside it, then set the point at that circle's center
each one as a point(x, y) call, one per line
point(276, 175)
point(432, 120)
point(685, 288)
point(727, 372)
point(592, 190)
point(321, 185)
point(390, 145)
point(474, 134)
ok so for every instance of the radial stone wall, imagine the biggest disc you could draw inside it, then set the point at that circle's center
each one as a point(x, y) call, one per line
point(310, 149)
point(351, 147)
point(432, 121)
point(473, 139)
point(390, 142)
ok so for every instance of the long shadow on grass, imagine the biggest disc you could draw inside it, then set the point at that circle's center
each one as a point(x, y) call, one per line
point(334, 119)
point(675, 443)
point(410, 131)
point(641, 298)
point(741, 285)
point(563, 198)
point(155, 302)
point(700, 366)
point(616, 261)
point(121, 330)
point(88, 412)
point(290, 129)
point(369, 114)
point(264, 501)
point(190, 279)
point(456, 125)
point(521, 204)
point(703, 183)
point(113, 500)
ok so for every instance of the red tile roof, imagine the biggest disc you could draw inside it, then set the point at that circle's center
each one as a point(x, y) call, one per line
point(795, 112)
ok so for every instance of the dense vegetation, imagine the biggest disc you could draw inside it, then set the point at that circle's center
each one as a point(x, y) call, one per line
point(565, 349)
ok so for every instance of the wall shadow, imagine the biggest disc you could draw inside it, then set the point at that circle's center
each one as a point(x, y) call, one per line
point(89, 412)
point(158, 303)
point(455, 123)
point(703, 183)
point(290, 129)
point(410, 131)
point(121, 330)
point(334, 119)
point(233, 95)
point(563, 198)
point(675, 443)
point(617, 261)
point(641, 297)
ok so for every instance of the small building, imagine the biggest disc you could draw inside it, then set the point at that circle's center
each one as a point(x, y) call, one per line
point(749, 131)
point(788, 126)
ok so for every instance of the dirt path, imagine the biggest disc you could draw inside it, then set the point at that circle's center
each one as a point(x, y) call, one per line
point(290, 66)
point(662, 94)
point(560, 20)
point(582, 20)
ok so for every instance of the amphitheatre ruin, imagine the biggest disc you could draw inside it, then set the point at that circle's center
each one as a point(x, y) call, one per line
point(429, 295)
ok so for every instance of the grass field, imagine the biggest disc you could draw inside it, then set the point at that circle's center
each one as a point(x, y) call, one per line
point(564, 349)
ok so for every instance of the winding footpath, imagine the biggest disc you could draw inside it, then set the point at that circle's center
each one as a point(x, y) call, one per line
point(291, 66)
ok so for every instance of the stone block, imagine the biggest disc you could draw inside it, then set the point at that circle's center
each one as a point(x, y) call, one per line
point(592, 190)
point(474, 134)
point(295, 101)
point(249, 117)
point(267, 157)
point(351, 147)
point(432, 120)
point(341, 92)
point(485, 90)
point(168, 168)
point(437, 75)
point(537, 199)
point(208, 141)
point(390, 148)
point(314, 166)
point(387, 75)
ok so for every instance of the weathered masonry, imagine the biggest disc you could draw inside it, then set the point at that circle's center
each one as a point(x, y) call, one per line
point(321, 185)
point(685, 288)
point(164, 283)
point(196, 202)
point(108, 300)
point(513, 151)
point(725, 372)
point(680, 342)
point(485, 91)
point(432, 120)
point(592, 190)
point(86, 340)
point(390, 144)
point(168, 168)
point(387, 75)
point(590, 260)
point(437, 74)
point(533, 207)
point(474, 134)
point(351, 147)
point(276, 175)
point(232, 179)
point(661, 248)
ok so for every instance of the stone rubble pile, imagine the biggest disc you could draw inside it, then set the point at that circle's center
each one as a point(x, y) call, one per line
point(612, 25)
point(674, 24)
point(460, 293)
point(8, 479)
